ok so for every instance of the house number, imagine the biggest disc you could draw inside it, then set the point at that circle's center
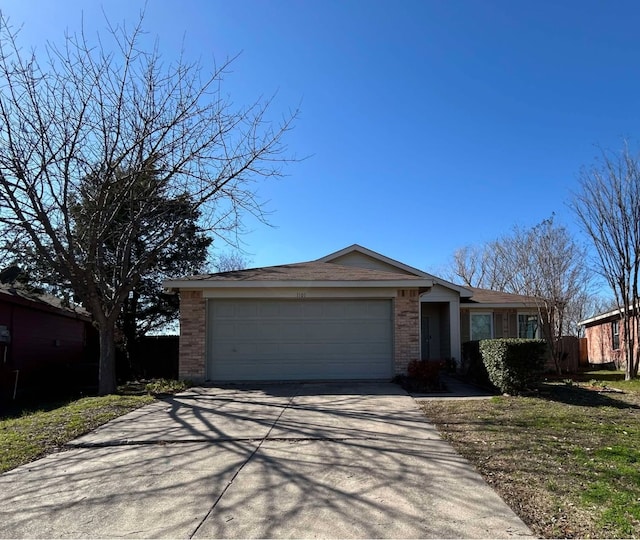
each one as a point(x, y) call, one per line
point(301, 295)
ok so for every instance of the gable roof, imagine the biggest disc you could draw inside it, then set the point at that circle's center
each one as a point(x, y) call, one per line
point(353, 266)
point(356, 248)
point(308, 274)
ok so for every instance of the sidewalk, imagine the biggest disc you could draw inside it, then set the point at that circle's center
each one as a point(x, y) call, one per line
point(456, 389)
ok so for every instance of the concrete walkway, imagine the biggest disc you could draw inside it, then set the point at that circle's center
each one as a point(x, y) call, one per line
point(456, 389)
point(274, 461)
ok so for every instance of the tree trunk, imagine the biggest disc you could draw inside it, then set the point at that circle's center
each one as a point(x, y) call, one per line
point(549, 336)
point(129, 320)
point(107, 366)
point(629, 345)
point(635, 357)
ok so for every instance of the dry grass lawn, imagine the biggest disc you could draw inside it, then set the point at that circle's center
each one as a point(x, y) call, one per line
point(567, 460)
point(31, 434)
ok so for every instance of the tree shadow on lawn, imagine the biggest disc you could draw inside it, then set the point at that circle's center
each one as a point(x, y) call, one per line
point(601, 376)
point(585, 397)
point(16, 409)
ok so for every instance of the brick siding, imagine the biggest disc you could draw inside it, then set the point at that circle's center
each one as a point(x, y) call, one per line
point(600, 344)
point(406, 308)
point(193, 329)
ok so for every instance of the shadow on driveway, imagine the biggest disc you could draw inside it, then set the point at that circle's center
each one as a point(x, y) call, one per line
point(355, 461)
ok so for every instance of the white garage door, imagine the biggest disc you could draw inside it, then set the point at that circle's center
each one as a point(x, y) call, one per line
point(299, 339)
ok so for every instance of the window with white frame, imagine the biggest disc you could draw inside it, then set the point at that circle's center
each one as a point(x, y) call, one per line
point(528, 325)
point(481, 326)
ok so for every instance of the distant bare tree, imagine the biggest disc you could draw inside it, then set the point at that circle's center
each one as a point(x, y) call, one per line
point(466, 266)
point(229, 261)
point(608, 208)
point(543, 262)
point(109, 112)
point(479, 266)
point(585, 306)
point(549, 266)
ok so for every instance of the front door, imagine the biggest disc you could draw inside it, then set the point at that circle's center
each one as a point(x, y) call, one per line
point(430, 332)
point(426, 338)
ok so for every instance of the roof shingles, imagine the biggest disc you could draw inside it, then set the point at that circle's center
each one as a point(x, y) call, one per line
point(486, 296)
point(308, 271)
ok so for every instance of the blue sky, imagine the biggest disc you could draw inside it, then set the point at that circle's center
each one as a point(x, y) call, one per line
point(430, 125)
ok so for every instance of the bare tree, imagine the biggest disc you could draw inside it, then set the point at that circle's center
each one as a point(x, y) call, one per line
point(543, 262)
point(229, 261)
point(585, 306)
point(548, 265)
point(479, 266)
point(466, 266)
point(85, 111)
point(608, 208)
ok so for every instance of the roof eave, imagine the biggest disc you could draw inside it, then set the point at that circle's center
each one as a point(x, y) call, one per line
point(463, 291)
point(601, 318)
point(175, 285)
point(498, 305)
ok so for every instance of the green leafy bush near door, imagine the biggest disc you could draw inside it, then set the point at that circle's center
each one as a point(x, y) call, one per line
point(514, 365)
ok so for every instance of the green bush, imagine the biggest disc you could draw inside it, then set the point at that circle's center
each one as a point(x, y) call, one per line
point(513, 365)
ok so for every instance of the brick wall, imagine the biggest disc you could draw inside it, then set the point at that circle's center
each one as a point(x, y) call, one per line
point(406, 308)
point(600, 344)
point(192, 336)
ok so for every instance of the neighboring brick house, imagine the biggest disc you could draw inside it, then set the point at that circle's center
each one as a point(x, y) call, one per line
point(354, 314)
point(605, 339)
point(41, 341)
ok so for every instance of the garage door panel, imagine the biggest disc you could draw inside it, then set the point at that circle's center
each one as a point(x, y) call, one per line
point(267, 309)
point(307, 310)
point(221, 309)
point(367, 330)
point(227, 328)
point(368, 349)
point(337, 310)
point(266, 331)
point(237, 350)
point(246, 370)
point(293, 340)
point(376, 310)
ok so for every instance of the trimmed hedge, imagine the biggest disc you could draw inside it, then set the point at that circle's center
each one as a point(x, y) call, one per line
point(513, 364)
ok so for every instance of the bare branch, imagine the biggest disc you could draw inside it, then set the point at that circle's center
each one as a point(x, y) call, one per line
point(87, 121)
point(608, 208)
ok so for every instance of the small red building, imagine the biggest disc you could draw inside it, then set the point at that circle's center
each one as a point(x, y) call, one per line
point(42, 342)
point(605, 341)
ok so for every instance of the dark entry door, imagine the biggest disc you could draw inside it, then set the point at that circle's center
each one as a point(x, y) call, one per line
point(426, 338)
point(430, 332)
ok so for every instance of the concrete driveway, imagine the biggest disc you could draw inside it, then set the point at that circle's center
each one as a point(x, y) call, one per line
point(299, 460)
